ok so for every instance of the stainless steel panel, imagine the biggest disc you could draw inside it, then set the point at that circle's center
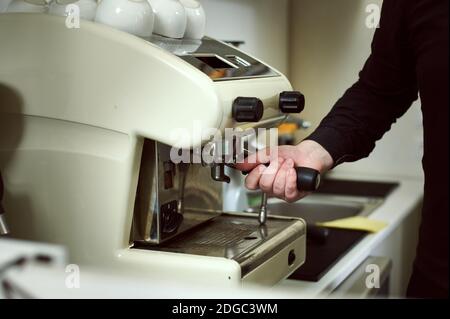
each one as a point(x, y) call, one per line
point(200, 201)
point(234, 64)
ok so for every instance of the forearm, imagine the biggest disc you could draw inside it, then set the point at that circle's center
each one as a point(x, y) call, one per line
point(359, 119)
point(385, 90)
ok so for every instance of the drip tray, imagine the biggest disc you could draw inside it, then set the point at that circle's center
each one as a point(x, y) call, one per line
point(236, 236)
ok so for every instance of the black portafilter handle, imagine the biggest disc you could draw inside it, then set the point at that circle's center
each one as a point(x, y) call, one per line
point(308, 179)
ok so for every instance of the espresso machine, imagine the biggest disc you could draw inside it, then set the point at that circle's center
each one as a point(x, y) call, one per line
point(89, 121)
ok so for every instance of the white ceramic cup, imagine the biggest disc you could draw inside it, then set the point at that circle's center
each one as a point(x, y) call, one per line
point(132, 16)
point(170, 18)
point(32, 6)
point(196, 19)
point(88, 8)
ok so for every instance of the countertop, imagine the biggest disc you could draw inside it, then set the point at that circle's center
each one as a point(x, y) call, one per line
point(401, 202)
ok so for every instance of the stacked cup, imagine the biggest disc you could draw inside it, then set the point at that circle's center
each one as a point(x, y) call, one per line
point(132, 16)
point(175, 19)
point(87, 8)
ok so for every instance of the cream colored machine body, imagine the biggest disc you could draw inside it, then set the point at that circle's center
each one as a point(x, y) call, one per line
point(87, 120)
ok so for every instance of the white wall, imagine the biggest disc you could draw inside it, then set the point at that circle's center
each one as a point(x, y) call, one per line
point(329, 44)
point(262, 24)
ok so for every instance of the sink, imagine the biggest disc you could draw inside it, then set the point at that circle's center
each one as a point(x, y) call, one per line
point(322, 208)
point(356, 188)
point(335, 199)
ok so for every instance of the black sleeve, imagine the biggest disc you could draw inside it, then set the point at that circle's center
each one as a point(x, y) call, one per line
point(385, 90)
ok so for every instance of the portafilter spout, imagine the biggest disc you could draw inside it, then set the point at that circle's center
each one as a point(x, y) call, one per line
point(308, 180)
point(218, 173)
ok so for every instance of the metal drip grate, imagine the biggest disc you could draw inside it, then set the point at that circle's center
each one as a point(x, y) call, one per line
point(235, 237)
point(222, 237)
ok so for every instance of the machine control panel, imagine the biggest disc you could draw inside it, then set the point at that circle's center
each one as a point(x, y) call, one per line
point(220, 61)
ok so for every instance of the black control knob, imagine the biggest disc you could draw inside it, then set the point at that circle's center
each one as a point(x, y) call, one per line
point(247, 109)
point(291, 102)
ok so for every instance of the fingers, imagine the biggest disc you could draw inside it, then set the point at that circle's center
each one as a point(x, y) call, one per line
point(279, 179)
point(268, 177)
point(279, 184)
point(252, 180)
point(291, 192)
point(262, 177)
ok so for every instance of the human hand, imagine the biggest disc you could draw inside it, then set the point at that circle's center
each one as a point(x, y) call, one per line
point(279, 179)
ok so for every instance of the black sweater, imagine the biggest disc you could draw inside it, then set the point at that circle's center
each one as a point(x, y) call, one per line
point(409, 56)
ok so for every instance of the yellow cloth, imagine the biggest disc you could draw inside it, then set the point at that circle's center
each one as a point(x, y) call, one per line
point(356, 223)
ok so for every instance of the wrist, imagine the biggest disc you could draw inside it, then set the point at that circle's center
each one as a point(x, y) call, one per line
point(314, 155)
